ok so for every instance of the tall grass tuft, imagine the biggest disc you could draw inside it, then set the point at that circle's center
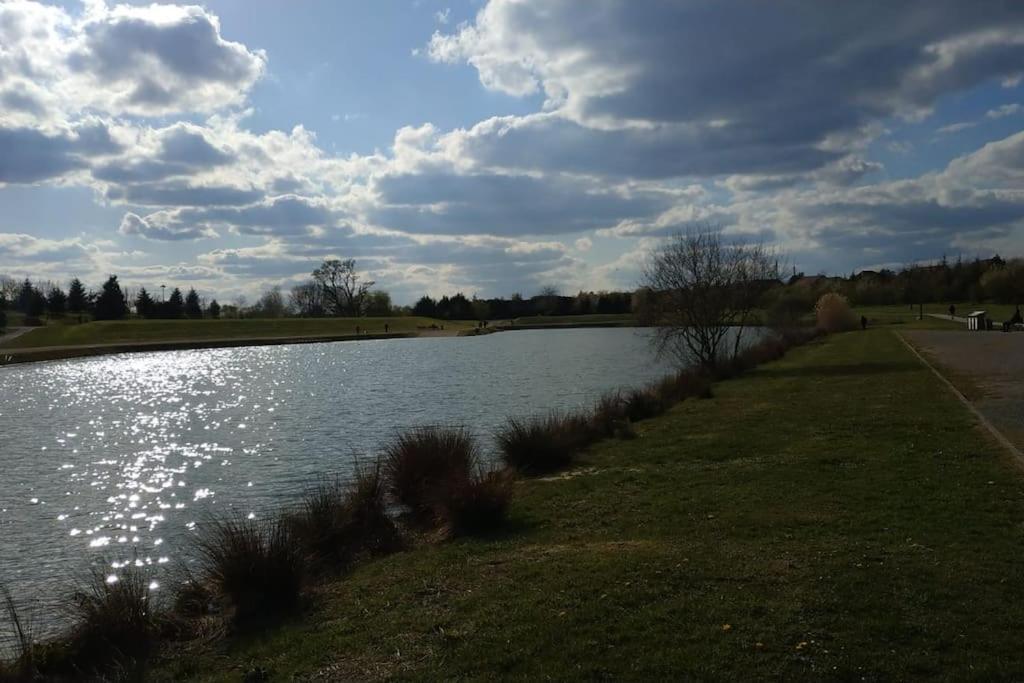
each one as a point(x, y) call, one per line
point(337, 520)
point(474, 506)
point(545, 443)
point(645, 403)
point(117, 621)
point(255, 565)
point(422, 461)
point(17, 650)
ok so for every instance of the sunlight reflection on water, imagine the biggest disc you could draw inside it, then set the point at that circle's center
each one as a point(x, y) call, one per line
point(115, 459)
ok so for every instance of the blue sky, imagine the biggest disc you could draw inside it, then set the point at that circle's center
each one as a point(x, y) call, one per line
point(499, 146)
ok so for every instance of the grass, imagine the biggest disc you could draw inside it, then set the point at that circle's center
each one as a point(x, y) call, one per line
point(543, 443)
point(477, 505)
point(133, 331)
point(339, 521)
point(255, 566)
point(625, 319)
point(422, 463)
point(832, 515)
point(903, 315)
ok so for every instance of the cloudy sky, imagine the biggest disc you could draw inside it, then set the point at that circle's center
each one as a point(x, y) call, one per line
point(501, 145)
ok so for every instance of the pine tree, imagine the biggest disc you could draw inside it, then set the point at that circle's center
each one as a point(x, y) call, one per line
point(110, 304)
point(144, 304)
point(77, 300)
point(25, 296)
point(214, 309)
point(175, 304)
point(193, 309)
point(56, 301)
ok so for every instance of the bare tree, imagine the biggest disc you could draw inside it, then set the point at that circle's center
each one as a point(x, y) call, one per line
point(701, 287)
point(307, 299)
point(343, 293)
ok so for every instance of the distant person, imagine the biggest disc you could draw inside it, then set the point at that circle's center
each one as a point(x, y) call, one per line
point(357, 329)
point(386, 328)
point(1015, 320)
point(863, 323)
point(952, 311)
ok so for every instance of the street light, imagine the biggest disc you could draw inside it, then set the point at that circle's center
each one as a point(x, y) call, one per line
point(162, 288)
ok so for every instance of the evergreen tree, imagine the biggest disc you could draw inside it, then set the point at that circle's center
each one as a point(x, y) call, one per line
point(214, 309)
point(144, 304)
point(111, 304)
point(56, 301)
point(425, 307)
point(77, 300)
point(3, 302)
point(25, 296)
point(193, 309)
point(175, 306)
point(3, 319)
point(36, 304)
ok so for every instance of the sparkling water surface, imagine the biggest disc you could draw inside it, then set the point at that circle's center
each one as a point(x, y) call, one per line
point(111, 460)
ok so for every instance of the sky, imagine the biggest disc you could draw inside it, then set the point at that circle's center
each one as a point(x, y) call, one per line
point(500, 146)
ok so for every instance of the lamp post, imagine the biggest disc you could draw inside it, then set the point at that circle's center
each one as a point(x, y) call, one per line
point(162, 288)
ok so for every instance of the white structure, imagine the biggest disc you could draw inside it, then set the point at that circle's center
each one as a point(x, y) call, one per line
point(977, 321)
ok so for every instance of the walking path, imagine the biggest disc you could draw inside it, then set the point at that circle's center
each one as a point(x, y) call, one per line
point(13, 333)
point(950, 318)
point(986, 369)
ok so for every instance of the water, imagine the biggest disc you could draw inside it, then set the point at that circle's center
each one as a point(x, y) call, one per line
point(114, 459)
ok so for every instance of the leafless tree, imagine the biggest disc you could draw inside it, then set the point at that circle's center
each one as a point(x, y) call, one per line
point(702, 287)
point(343, 293)
point(307, 299)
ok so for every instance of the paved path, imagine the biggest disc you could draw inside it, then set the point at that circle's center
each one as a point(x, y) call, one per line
point(14, 333)
point(948, 318)
point(988, 367)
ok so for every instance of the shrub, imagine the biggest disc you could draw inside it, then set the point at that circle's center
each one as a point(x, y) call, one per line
point(477, 505)
point(544, 443)
point(256, 566)
point(608, 415)
point(338, 520)
point(834, 314)
point(644, 403)
point(420, 461)
point(117, 620)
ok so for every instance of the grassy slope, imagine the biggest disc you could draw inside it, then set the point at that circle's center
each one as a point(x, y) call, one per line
point(832, 514)
point(109, 332)
point(590, 319)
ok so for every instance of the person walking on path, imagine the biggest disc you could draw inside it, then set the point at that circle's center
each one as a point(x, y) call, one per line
point(863, 322)
point(952, 311)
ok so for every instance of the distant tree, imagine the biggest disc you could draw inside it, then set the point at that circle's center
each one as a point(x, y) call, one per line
point(56, 301)
point(175, 306)
point(344, 294)
point(77, 299)
point(193, 309)
point(144, 304)
point(378, 303)
point(4, 303)
point(425, 307)
point(703, 289)
point(3, 319)
point(111, 304)
point(271, 304)
point(214, 309)
point(307, 299)
point(25, 296)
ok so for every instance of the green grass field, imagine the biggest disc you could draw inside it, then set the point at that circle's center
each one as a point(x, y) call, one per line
point(591, 319)
point(900, 314)
point(121, 331)
point(832, 515)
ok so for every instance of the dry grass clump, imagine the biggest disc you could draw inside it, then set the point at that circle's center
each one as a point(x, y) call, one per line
point(474, 506)
point(418, 462)
point(17, 648)
point(255, 566)
point(543, 443)
point(834, 314)
point(338, 520)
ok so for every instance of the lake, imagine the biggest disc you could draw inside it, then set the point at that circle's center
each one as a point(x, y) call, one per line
point(115, 458)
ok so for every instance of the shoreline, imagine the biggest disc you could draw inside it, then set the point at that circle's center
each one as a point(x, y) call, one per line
point(17, 356)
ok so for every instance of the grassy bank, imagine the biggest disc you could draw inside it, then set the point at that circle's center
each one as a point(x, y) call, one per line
point(903, 315)
point(135, 331)
point(832, 514)
point(590, 320)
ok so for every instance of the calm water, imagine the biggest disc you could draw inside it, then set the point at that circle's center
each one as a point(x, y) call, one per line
point(114, 459)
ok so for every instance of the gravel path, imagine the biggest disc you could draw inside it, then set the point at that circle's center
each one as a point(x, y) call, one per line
point(987, 366)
